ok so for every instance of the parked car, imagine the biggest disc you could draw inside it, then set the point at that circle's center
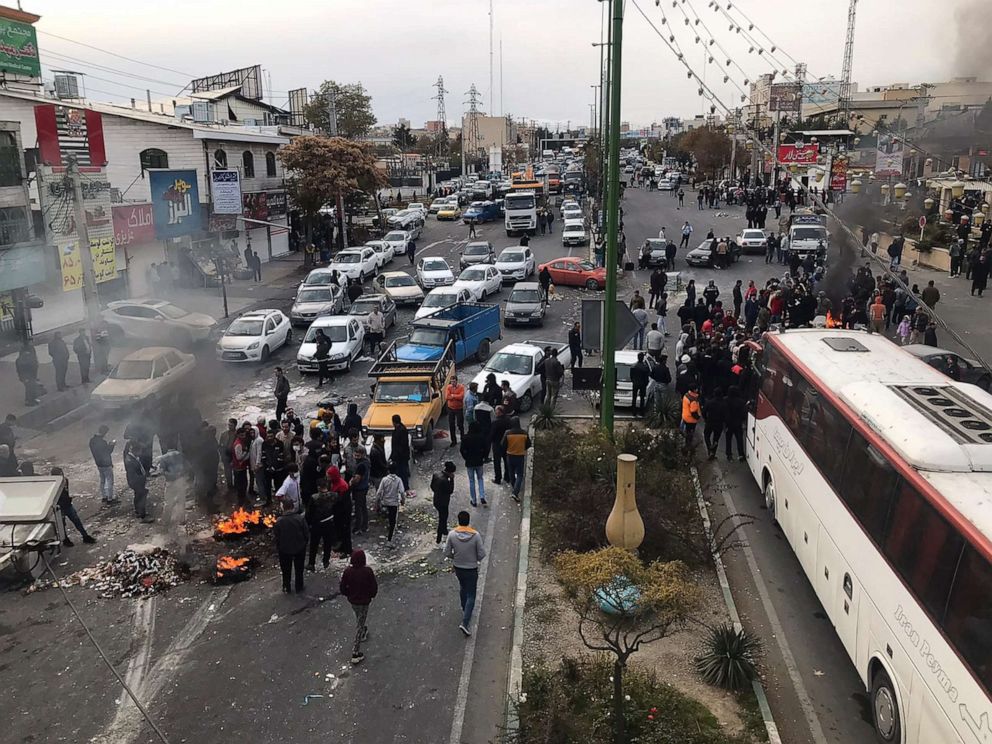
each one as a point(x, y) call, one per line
point(253, 336)
point(347, 337)
point(400, 287)
point(313, 301)
point(573, 232)
point(481, 211)
point(356, 263)
point(970, 370)
point(440, 298)
point(362, 307)
point(571, 213)
point(657, 255)
point(517, 364)
point(156, 320)
point(434, 272)
point(450, 211)
point(703, 254)
point(516, 263)
point(576, 272)
point(159, 371)
point(384, 252)
point(477, 252)
point(322, 277)
point(411, 220)
point(419, 207)
point(398, 240)
point(480, 281)
point(440, 202)
point(524, 305)
point(752, 240)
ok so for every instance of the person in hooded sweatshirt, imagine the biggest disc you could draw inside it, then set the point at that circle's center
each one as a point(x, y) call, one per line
point(291, 534)
point(390, 496)
point(442, 486)
point(359, 587)
point(341, 510)
point(320, 518)
point(464, 547)
point(352, 419)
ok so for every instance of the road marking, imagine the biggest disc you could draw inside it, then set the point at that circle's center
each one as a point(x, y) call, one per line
point(461, 700)
point(431, 245)
point(805, 702)
point(144, 631)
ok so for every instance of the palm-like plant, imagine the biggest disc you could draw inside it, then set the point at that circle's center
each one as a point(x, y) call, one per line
point(729, 658)
point(546, 417)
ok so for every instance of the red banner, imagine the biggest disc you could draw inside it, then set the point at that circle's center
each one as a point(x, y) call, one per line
point(838, 176)
point(133, 224)
point(798, 154)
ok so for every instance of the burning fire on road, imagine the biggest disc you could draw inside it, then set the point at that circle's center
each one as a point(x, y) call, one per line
point(241, 523)
point(833, 322)
point(230, 569)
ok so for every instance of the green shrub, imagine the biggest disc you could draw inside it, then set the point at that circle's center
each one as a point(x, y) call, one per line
point(546, 417)
point(729, 658)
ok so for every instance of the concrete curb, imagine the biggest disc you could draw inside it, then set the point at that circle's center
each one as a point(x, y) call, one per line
point(515, 676)
point(728, 598)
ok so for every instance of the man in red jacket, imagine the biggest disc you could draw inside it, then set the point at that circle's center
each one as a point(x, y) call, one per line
point(359, 586)
point(454, 397)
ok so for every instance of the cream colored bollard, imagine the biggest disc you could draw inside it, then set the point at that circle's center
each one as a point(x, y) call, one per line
point(624, 526)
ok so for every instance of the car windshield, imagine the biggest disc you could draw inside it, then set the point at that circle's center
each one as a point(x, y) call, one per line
point(395, 236)
point(315, 295)
point(245, 328)
point(435, 266)
point(511, 257)
point(476, 250)
point(132, 369)
point(440, 300)
point(656, 245)
point(574, 228)
point(519, 201)
point(411, 392)
point(511, 364)
point(809, 233)
point(400, 281)
point(324, 277)
point(473, 275)
point(171, 311)
point(429, 337)
point(752, 235)
point(348, 258)
point(525, 295)
point(623, 373)
point(334, 333)
point(586, 266)
point(363, 307)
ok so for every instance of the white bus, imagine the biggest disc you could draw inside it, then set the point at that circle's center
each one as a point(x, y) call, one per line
point(879, 471)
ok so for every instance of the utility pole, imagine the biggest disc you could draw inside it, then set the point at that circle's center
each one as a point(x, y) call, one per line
point(612, 223)
point(608, 111)
point(441, 139)
point(470, 138)
point(90, 300)
point(332, 114)
point(491, 109)
point(845, 75)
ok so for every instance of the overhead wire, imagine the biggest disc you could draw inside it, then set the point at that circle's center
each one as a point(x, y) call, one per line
point(106, 68)
point(115, 54)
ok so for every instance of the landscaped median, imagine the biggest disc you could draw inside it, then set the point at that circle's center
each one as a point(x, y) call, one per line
point(615, 642)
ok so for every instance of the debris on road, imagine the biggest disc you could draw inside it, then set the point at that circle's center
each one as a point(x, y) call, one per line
point(131, 573)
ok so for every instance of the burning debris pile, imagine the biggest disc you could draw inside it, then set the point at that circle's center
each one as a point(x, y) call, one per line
point(230, 570)
point(130, 573)
point(242, 523)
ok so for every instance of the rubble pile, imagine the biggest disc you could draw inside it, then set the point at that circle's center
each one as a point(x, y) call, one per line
point(130, 573)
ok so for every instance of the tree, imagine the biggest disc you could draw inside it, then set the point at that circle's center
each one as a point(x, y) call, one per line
point(709, 148)
point(352, 104)
point(650, 602)
point(323, 170)
point(402, 137)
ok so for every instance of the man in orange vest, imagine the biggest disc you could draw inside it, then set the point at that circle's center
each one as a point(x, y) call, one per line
point(454, 395)
point(691, 414)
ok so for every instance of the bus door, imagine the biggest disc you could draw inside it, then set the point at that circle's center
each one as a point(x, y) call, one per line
point(838, 591)
point(753, 375)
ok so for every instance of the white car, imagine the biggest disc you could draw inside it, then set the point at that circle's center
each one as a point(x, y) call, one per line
point(156, 320)
point(481, 281)
point(347, 337)
point(517, 364)
point(322, 278)
point(398, 239)
point(516, 263)
point(383, 251)
point(315, 300)
point(751, 239)
point(569, 204)
point(356, 263)
point(440, 298)
point(437, 204)
point(434, 272)
point(571, 213)
point(573, 232)
point(411, 220)
point(400, 287)
point(154, 370)
point(253, 337)
point(422, 208)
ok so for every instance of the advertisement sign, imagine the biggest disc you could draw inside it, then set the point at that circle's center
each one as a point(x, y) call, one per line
point(225, 189)
point(19, 48)
point(888, 156)
point(104, 257)
point(217, 223)
point(822, 92)
point(785, 97)
point(72, 266)
point(175, 202)
point(133, 224)
point(55, 194)
point(64, 131)
point(798, 154)
point(256, 206)
point(278, 203)
point(838, 176)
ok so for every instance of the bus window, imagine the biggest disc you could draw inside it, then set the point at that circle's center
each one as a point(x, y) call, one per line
point(968, 622)
point(774, 385)
point(869, 483)
point(825, 437)
point(923, 547)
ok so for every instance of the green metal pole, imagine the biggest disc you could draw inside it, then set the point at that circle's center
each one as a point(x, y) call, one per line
point(604, 132)
point(612, 225)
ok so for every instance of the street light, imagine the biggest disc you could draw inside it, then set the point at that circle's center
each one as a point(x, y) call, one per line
point(856, 186)
point(900, 190)
point(957, 189)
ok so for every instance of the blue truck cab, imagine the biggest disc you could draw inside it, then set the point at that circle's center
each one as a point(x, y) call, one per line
point(482, 211)
point(471, 326)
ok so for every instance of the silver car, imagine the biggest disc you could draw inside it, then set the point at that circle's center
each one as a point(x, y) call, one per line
point(477, 252)
point(524, 305)
point(362, 308)
point(314, 301)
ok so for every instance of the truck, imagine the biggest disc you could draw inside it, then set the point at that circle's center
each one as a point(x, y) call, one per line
point(470, 326)
point(517, 364)
point(412, 390)
point(481, 211)
point(808, 234)
point(520, 212)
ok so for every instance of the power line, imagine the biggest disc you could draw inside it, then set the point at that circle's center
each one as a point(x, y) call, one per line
point(122, 85)
point(105, 68)
point(115, 54)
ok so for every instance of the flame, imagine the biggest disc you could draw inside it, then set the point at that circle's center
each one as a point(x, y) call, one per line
point(241, 521)
point(230, 563)
point(832, 322)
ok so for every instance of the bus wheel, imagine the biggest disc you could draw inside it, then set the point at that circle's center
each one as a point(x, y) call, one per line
point(770, 495)
point(885, 709)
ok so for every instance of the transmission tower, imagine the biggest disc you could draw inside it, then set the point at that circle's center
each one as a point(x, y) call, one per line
point(845, 75)
point(441, 138)
point(470, 133)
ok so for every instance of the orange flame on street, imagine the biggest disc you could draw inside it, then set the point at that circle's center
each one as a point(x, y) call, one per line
point(832, 322)
point(230, 563)
point(241, 521)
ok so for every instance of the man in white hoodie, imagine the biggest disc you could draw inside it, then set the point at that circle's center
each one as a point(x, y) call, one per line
point(464, 547)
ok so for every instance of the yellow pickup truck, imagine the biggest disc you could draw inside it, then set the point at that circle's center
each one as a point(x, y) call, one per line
point(414, 390)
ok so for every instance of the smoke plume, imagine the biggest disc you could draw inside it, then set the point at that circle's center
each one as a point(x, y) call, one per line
point(972, 51)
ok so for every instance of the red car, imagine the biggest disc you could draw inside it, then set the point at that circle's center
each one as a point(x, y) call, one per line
point(576, 272)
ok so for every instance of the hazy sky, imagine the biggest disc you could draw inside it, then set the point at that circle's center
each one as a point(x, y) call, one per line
point(397, 48)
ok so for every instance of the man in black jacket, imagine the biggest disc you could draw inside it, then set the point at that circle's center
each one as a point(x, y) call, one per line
point(442, 486)
point(499, 427)
point(102, 450)
point(474, 448)
point(639, 377)
point(59, 353)
point(26, 365)
point(400, 445)
point(715, 413)
point(291, 534)
point(736, 417)
point(281, 392)
point(575, 345)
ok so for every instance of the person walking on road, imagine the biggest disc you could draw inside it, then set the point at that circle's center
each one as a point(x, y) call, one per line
point(575, 345)
point(390, 496)
point(400, 444)
point(26, 365)
point(291, 534)
point(515, 444)
point(320, 516)
point(681, 199)
point(979, 275)
point(359, 587)
point(471, 229)
point(930, 295)
point(281, 392)
point(411, 251)
point(102, 452)
point(686, 233)
point(360, 483)
point(442, 487)
point(500, 426)
point(474, 449)
point(59, 353)
point(69, 512)
point(321, 354)
point(454, 396)
point(735, 420)
point(554, 373)
point(81, 347)
point(464, 547)
point(137, 479)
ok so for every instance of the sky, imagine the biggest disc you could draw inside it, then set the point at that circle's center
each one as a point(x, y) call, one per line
point(398, 48)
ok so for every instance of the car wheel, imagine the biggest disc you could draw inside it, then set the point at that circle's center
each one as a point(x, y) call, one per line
point(484, 350)
point(429, 445)
point(264, 357)
point(483, 296)
point(361, 278)
point(526, 402)
point(769, 491)
point(885, 709)
point(289, 336)
point(347, 365)
point(592, 284)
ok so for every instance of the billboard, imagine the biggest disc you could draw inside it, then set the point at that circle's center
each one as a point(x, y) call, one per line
point(19, 48)
point(838, 175)
point(133, 224)
point(175, 202)
point(103, 255)
point(785, 97)
point(256, 206)
point(297, 102)
point(798, 154)
point(249, 79)
point(66, 130)
point(822, 92)
point(225, 191)
point(888, 156)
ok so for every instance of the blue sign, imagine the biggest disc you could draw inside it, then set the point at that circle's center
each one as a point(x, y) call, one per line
point(175, 202)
